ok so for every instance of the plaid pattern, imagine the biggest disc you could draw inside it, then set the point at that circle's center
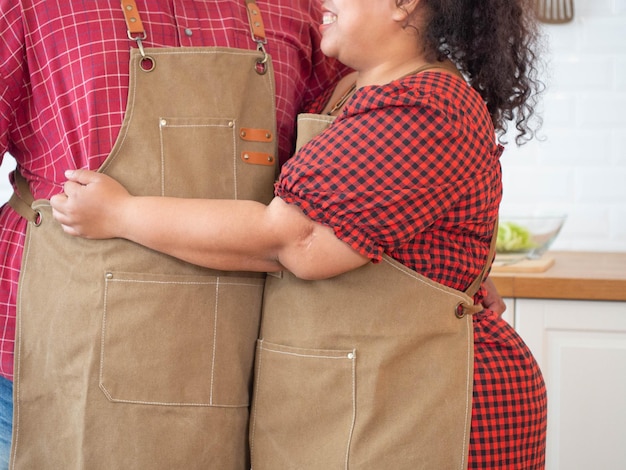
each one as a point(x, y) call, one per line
point(64, 83)
point(509, 410)
point(412, 169)
point(389, 185)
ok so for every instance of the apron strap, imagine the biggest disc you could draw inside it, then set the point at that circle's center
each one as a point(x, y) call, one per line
point(465, 309)
point(22, 199)
point(133, 21)
point(473, 288)
point(135, 26)
point(136, 31)
point(257, 30)
point(256, 22)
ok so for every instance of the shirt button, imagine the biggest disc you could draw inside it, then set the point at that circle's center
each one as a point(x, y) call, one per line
point(188, 32)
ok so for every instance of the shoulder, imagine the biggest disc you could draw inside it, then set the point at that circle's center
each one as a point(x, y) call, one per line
point(341, 90)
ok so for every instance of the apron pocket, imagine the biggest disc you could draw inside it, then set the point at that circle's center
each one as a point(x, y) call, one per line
point(211, 178)
point(291, 384)
point(179, 340)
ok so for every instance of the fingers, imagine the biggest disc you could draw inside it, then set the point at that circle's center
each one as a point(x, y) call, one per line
point(70, 188)
point(69, 230)
point(82, 176)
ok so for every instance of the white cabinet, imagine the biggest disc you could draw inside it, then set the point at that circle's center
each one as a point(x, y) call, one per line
point(509, 313)
point(581, 349)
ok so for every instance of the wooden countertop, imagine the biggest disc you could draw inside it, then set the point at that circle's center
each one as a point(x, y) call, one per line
point(574, 275)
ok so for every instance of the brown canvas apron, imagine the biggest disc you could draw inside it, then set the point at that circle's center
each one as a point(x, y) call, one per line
point(126, 358)
point(372, 369)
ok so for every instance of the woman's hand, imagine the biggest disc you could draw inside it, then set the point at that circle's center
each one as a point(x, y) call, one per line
point(215, 233)
point(91, 205)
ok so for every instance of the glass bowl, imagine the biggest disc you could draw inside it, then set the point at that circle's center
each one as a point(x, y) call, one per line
point(526, 237)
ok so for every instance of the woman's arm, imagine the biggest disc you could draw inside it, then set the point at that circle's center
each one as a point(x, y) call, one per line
point(220, 234)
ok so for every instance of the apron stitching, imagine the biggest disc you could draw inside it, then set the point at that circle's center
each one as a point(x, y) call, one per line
point(242, 52)
point(174, 404)
point(468, 387)
point(312, 356)
point(314, 119)
point(256, 395)
point(162, 159)
point(417, 278)
point(128, 117)
point(16, 383)
point(191, 283)
point(217, 292)
point(234, 147)
point(353, 424)
point(102, 343)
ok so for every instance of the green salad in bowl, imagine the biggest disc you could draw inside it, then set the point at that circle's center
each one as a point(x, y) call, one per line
point(527, 237)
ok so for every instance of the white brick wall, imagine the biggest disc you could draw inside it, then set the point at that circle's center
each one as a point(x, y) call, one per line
point(580, 166)
point(6, 166)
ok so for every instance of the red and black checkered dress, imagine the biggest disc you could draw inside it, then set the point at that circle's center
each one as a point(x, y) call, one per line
point(411, 169)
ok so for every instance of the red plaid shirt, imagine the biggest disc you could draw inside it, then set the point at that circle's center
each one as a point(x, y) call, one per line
point(63, 89)
point(413, 172)
point(411, 169)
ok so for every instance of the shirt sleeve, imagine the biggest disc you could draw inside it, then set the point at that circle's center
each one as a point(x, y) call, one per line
point(12, 68)
point(384, 173)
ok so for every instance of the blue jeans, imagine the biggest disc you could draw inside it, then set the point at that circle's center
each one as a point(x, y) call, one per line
point(6, 421)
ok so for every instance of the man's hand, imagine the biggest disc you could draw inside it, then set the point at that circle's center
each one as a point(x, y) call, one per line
point(492, 300)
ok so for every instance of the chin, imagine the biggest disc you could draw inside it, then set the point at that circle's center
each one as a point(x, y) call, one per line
point(328, 49)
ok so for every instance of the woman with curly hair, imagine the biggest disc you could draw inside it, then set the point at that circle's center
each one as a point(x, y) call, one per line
point(374, 351)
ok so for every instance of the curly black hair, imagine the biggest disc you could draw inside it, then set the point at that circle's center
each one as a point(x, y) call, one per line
point(495, 44)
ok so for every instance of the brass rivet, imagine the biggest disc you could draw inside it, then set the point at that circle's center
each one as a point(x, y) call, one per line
point(243, 133)
point(133, 20)
point(268, 135)
point(129, 7)
point(246, 156)
point(270, 158)
point(231, 124)
point(109, 275)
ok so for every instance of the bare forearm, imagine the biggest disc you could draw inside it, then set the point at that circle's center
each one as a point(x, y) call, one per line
point(229, 235)
point(221, 234)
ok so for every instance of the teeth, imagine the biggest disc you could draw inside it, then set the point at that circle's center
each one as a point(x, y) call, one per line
point(329, 18)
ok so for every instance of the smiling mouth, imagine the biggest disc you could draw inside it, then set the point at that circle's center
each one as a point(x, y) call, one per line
point(329, 18)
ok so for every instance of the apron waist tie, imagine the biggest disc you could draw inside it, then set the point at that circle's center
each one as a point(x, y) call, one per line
point(22, 199)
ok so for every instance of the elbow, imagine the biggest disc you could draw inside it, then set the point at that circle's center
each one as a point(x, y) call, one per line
point(302, 259)
point(307, 273)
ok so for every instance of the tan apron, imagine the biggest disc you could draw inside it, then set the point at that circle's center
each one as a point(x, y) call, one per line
point(372, 369)
point(127, 358)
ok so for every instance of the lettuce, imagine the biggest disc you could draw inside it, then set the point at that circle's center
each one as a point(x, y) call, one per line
point(513, 237)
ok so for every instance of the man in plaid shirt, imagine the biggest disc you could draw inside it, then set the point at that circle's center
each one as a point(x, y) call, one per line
point(63, 92)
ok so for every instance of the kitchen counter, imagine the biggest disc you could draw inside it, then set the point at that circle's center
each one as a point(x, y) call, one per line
point(574, 275)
